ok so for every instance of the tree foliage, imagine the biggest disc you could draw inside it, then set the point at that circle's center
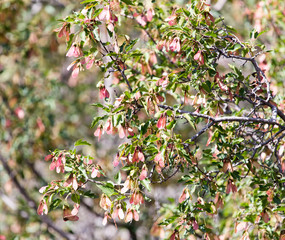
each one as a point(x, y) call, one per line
point(194, 103)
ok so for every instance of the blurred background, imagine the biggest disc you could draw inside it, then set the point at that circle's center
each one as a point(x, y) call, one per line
point(42, 108)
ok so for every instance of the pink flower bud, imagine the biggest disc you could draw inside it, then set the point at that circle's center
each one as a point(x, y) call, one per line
point(74, 51)
point(116, 160)
point(160, 45)
point(19, 113)
point(98, 133)
point(105, 219)
point(149, 14)
point(141, 19)
point(172, 19)
point(75, 209)
point(136, 215)
point(199, 57)
point(122, 131)
point(95, 173)
point(108, 126)
point(161, 123)
point(175, 45)
point(185, 195)
point(75, 71)
point(105, 15)
point(74, 183)
point(89, 62)
point(48, 157)
point(143, 174)
point(121, 214)
point(103, 93)
point(68, 216)
point(42, 209)
point(129, 216)
point(195, 224)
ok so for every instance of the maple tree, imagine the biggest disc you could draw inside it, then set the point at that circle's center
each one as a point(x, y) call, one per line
point(191, 102)
point(176, 77)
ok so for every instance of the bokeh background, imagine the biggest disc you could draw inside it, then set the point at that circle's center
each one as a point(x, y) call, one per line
point(42, 108)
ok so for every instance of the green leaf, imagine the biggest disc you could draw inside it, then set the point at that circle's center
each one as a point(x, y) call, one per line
point(67, 169)
point(83, 171)
point(126, 168)
point(95, 121)
point(188, 118)
point(237, 140)
point(171, 124)
point(81, 142)
point(107, 188)
point(131, 45)
point(206, 87)
point(146, 183)
point(101, 106)
point(75, 198)
point(88, 1)
point(118, 178)
point(128, 2)
point(88, 194)
point(55, 203)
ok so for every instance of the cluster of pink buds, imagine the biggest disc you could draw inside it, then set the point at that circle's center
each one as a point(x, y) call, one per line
point(89, 62)
point(74, 51)
point(199, 57)
point(136, 198)
point(124, 131)
point(143, 174)
point(109, 128)
point(138, 155)
point(105, 202)
point(163, 82)
point(95, 172)
point(64, 30)
point(171, 19)
point(42, 209)
point(173, 45)
point(142, 19)
point(103, 93)
point(231, 187)
point(107, 17)
point(71, 181)
point(71, 215)
point(132, 214)
point(57, 162)
point(159, 161)
point(118, 212)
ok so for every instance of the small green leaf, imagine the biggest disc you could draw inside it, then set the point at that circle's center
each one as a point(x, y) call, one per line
point(128, 2)
point(188, 118)
point(237, 140)
point(55, 203)
point(88, 194)
point(118, 178)
point(146, 183)
point(107, 188)
point(126, 168)
point(81, 142)
point(75, 198)
point(87, 1)
point(171, 124)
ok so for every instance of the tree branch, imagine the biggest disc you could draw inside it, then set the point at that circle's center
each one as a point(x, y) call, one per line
point(30, 201)
point(224, 119)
